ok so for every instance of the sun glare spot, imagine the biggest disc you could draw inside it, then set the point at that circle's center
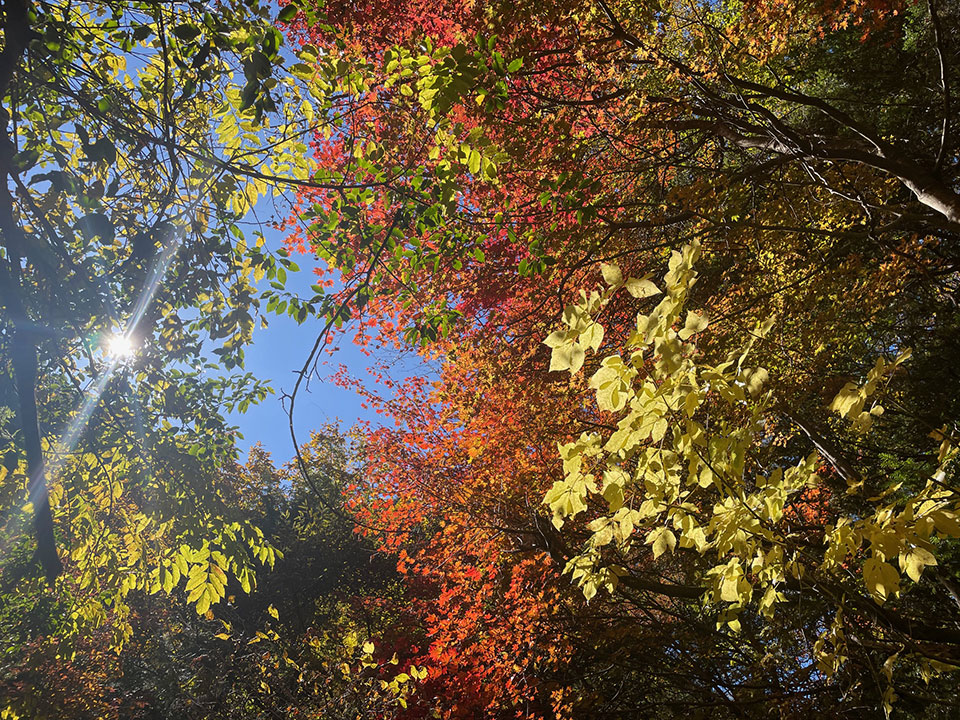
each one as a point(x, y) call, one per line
point(120, 347)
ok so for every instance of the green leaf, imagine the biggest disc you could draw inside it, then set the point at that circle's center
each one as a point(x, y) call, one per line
point(142, 32)
point(96, 225)
point(102, 150)
point(302, 70)
point(249, 94)
point(474, 162)
point(288, 13)
point(186, 31)
point(256, 66)
point(26, 159)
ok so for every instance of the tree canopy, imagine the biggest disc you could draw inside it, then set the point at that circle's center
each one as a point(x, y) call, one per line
point(687, 272)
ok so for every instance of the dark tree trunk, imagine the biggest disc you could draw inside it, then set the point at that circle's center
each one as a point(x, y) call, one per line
point(23, 344)
point(24, 355)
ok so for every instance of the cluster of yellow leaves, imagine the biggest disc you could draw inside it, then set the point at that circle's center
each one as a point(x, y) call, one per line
point(851, 399)
point(661, 456)
point(398, 688)
point(681, 469)
point(207, 570)
point(118, 548)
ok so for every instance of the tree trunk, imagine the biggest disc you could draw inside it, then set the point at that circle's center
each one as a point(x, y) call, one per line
point(24, 355)
point(23, 343)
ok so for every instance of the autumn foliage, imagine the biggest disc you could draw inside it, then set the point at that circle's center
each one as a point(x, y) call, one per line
point(682, 280)
point(512, 151)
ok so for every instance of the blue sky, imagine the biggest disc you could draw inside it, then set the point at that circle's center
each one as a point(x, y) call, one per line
point(279, 351)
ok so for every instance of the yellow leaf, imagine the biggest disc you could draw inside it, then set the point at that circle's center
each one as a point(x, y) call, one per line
point(569, 357)
point(754, 379)
point(592, 336)
point(662, 539)
point(691, 402)
point(167, 580)
point(197, 578)
point(196, 593)
point(729, 588)
point(556, 339)
point(611, 274)
point(695, 323)
point(848, 401)
point(946, 523)
point(881, 579)
point(914, 560)
point(642, 288)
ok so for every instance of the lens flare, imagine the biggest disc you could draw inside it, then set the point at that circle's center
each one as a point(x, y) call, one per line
point(117, 348)
point(120, 347)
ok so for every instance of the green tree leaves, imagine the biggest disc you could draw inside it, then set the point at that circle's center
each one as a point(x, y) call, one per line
point(139, 153)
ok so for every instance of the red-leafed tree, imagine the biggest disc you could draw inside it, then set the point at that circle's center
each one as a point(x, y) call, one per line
point(505, 153)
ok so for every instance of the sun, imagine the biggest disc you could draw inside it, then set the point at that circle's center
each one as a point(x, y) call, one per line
point(119, 347)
